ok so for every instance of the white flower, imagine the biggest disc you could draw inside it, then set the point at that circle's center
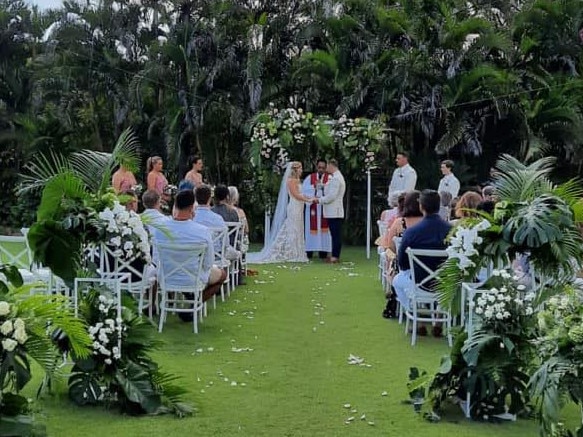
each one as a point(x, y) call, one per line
point(479, 310)
point(107, 361)
point(4, 308)
point(499, 316)
point(19, 323)
point(528, 311)
point(20, 335)
point(106, 214)
point(6, 327)
point(495, 272)
point(9, 345)
point(521, 287)
point(115, 241)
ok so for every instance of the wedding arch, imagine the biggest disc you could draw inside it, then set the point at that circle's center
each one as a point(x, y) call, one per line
point(278, 136)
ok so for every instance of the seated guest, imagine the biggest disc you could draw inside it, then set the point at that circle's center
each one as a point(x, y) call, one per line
point(410, 217)
point(383, 240)
point(185, 185)
point(467, 204)
point(204, 215)
point(488, 193)
point(389, 215)
point(182, 229)
point(152, 213)
point(234, 203)
point(429, 233)
point(222, 207)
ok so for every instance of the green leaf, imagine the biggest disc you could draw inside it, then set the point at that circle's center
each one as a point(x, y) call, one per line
point(84, 388)
point(12, 274)
point(49, 243)
point(138, 388)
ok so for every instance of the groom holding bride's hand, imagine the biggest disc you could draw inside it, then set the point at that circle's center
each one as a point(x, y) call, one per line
point(333, 207)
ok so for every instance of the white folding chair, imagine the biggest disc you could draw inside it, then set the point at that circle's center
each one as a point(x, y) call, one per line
point(14, 250)
point(423, 303)
point(179, 283)
point(140, 281)
point(381, 252)
point(220, 243)
point(234, 237)
point(43, 274)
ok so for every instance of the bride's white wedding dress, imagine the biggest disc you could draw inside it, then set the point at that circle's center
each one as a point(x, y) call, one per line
point(288, 245)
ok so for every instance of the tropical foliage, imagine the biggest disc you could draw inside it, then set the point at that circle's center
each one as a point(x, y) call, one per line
point(120, 371)
point(27, 324)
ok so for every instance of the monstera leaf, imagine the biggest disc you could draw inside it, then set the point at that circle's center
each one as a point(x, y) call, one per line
point(84, 388)
point(138, 388)
point(56, 248)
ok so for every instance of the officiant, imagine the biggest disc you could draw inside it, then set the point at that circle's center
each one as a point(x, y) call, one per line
point(316, 230)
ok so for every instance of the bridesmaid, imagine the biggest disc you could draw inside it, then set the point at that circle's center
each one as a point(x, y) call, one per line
point(195, 175)
point(156, 179)
point(123, 180)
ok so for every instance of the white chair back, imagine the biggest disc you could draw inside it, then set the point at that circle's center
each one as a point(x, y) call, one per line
point(415, 260)
point(134, 271)
point(179, 271)
point(14, 250)
point(423, 304)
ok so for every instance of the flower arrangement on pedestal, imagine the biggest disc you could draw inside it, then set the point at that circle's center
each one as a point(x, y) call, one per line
point(560, 350)
point(124, 233)
point(120, 372)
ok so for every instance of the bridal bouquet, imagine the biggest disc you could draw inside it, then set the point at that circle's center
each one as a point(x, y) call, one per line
point(124, 232)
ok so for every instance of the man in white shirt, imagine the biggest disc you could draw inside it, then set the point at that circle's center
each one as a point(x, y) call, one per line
point(449, 183)
point(404, 177)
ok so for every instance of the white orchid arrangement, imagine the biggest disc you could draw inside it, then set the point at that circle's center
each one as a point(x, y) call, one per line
point(125, 233)
point(505, 299)
point(12, 330)
point(464, 243)
point(106, 334)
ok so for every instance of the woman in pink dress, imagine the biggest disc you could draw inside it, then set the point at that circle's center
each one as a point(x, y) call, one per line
point(156, 179)
point(123, 180)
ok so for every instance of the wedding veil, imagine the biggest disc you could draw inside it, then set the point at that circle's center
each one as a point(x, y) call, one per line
point(277, 221)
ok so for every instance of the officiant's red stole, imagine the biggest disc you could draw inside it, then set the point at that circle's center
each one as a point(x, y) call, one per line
point(314, 206)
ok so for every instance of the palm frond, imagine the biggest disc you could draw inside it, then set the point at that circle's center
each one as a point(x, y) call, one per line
point(517, 182)
point(41, 170)
point(96, 168)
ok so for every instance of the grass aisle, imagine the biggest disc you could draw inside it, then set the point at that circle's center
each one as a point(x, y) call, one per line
point(272, 361)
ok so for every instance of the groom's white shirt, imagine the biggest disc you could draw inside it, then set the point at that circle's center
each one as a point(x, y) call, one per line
point(333, 201)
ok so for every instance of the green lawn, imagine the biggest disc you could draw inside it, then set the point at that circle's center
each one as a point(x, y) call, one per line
point(301, 324)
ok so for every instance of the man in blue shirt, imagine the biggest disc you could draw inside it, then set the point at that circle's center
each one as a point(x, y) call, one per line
point(204, 215)
point(429, 233)
point(182, 229)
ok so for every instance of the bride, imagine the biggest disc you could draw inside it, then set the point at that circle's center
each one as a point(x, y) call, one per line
point(286, 237)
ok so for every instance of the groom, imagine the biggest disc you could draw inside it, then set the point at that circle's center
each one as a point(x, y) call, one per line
point(333, 207)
